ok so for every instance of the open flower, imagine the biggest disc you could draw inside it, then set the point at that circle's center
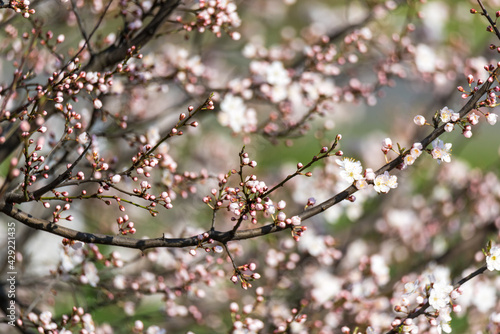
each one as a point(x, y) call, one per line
point(445, 114)
point(384, 182)
point(352, 169)
point(236, 115)
point(444, 321)
point(491, 118)
point(276, 74)
point(441, 151)
point(493, 259)
point(473, 118)
point(439, 297)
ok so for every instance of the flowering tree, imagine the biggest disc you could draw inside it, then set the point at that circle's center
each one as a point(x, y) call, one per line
point(216, 166)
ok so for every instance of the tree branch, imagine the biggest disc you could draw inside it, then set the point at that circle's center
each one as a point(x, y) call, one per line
point(469, 106)
point(128, 242)
point(19, 197)
point(222, 237)
point(424, 307)
point(114, 54)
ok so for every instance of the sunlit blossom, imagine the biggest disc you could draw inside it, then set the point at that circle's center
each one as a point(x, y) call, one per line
point(491, 118)
point(493, 258)
point(276, 74)
point(352, 169)
point(361, 184)
point(236, 115)
point(439, 297)
point(409, 159)
point(416, 150)
point(445, 114)
point(441, 151)
point(384, 182)
point(444, 321)
point(83, 138)
point(473, 118)
point(425, 58)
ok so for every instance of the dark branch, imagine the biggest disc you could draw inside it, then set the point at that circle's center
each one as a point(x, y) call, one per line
point(114, 54)
point(128, 242)
point(223, 237)
point(18, 197)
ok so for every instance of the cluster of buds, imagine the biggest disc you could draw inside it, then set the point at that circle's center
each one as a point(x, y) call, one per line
point(206, 243)
point(43, 321)
point(144, 161)
point(281, 220)
point(59, 210)
point(241, 317)
point(22, 7)
point(244, 200)
point(242, 206)
point(49, 36)
point(71, 81)
point(245, 274)
point(98, 165)
point(167, 201)
point(245, 161)
point(451, 118)
point(125, 226)
point(295, 317)
point(298, 231)
point(491, 97)
point(78, 317)
point(325, 57)
point(33, 162)
point(94, 254)
point(215, 16)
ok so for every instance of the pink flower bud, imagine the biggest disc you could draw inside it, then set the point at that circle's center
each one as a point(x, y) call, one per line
point(369, 174)
point(387, 143)
point(419, 120)
point(281, 216)
point(97, 104)
point(234, 307)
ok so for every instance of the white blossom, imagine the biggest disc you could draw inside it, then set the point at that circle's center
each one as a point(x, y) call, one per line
point(445, 114)
point(491, 118)
point(425, 58)
point(276, 74)
point(384, 182)
point(441, 151)
point(352, 169)
point(91, 273)
point(235, 114)
point(493, 259)
point(439, 297)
